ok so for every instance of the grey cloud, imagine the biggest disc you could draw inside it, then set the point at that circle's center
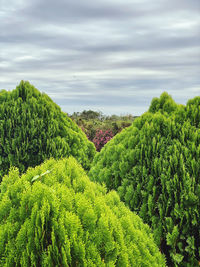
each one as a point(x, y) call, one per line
point(193, 5)
point(104, 53)
point(78, 11)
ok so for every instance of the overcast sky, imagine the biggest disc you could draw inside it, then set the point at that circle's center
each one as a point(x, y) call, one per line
point(112, 56)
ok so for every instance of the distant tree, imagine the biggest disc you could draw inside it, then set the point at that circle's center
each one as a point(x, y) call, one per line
point(91, 122)
point(101, 138)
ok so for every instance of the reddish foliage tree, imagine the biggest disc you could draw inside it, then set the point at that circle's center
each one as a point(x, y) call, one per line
point(101, 138)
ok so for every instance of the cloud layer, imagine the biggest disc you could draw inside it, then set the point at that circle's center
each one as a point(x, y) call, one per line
point(112, 55)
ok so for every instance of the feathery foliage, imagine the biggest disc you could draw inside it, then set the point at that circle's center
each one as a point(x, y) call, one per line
point(33, 128)
point(166, 105)
point(53, 215)
point(155, 167)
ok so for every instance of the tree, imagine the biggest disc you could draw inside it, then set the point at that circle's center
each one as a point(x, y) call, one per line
point(33, 128)
point(155, 167)
point(53, 215)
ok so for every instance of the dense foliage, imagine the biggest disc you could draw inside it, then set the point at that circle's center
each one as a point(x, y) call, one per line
point(101, 138)
point(53, 215)
point(155, 167)
point(97, 126)
point(166, 105)
point(33, 128)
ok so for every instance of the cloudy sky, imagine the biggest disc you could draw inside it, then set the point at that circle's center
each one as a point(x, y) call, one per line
point(112, 56)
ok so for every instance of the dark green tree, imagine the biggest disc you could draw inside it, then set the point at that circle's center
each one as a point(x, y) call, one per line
point(53, 215)
point(33, 128)
point(155, 167)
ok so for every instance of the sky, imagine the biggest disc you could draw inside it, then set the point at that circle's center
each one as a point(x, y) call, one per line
point(111, 56)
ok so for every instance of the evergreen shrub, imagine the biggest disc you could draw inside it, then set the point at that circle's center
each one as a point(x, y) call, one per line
point(33, 128)
point(53, 215)
point(166, 105)
point(155, 167)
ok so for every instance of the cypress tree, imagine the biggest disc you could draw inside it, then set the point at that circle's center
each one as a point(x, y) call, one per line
point(155, 167)
point(33, 128)
point(53, 215)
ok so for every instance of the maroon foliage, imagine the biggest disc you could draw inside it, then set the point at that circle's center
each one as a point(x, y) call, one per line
point(101, 138)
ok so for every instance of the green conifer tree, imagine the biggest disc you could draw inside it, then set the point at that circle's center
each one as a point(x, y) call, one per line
point(53, 215)
point(155, 167)
point(33, 128)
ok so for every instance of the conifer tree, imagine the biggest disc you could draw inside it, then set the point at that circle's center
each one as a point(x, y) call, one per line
point(33, 128)
point(155, 167)
point(53, 215)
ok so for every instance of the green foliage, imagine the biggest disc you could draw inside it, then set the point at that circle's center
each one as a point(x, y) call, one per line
point(193, 111)
point(163, 104)
point(92, 122)
point(33, 128)
point(155, 167)
point(166, 105)
point(53, 215)
point(88, 115)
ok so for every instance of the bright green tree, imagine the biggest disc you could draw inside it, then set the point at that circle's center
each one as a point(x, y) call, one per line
point(53, 215)
point(33, 128)
point(166, 105)
point(155, 167)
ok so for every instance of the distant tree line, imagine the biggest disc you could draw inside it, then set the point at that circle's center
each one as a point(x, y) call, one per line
point(100, 128)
